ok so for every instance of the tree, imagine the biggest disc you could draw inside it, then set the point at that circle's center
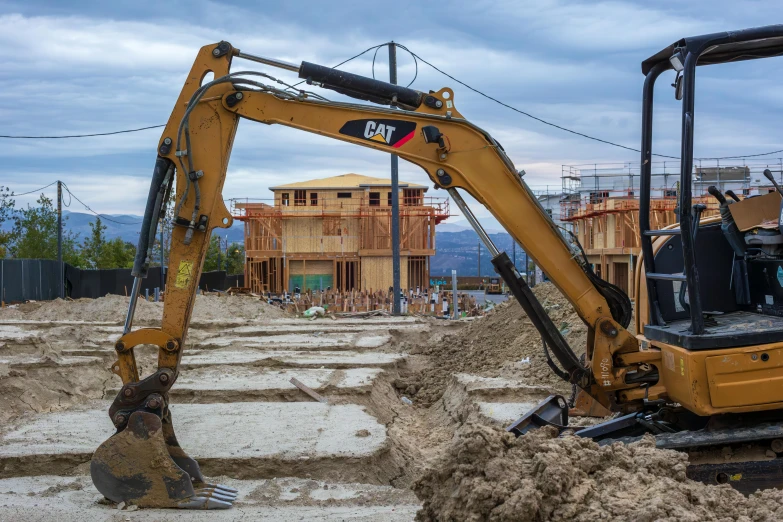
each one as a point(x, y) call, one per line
point(100, 253)
point(34, 235)
point(6, 211)
point(232, 259)
point(92, 246)
point(117, 253)
point(236, 259)
point(213, 254)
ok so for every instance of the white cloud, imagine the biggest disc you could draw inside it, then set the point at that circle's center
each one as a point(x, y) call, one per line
point(574, 63)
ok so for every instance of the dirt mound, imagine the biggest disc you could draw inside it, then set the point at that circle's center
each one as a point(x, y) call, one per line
point(487, 474)
point(112, 308)
point(47, 386)
point(504, 343)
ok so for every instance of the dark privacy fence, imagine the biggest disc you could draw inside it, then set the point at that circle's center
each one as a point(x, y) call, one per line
point(38, 279)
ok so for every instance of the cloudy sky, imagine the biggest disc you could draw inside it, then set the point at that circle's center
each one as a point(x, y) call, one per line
point(94, 66)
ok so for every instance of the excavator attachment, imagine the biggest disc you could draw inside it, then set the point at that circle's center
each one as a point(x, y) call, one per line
point(552, 411)
point(134, 466)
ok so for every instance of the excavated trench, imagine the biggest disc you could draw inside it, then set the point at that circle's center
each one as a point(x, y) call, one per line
point(235, 390)
point(414, 404)
point(234, 409)
point(354, 367)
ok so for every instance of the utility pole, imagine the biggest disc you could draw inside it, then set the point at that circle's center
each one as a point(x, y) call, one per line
point(514, 250)
point(162, 269)
point(61, 290)
point(478, 250)
point(395, 191)
point(219, 245)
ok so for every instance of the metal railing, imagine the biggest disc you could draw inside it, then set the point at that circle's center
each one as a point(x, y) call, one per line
point(743, 173)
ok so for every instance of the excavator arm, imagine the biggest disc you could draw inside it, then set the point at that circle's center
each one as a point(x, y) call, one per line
point(424, 128)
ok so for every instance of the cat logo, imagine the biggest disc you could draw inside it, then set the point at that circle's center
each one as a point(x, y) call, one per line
point(378, 132)
point(394, 133)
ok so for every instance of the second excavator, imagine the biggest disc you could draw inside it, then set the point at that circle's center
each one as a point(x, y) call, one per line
point(704, 379)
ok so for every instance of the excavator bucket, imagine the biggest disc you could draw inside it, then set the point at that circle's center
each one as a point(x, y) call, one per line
point(552, 411)
point(135, 466)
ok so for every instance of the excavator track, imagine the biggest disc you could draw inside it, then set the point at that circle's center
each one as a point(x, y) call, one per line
point(747, 458)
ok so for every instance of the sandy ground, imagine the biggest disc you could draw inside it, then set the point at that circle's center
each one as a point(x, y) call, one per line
point(413, 427)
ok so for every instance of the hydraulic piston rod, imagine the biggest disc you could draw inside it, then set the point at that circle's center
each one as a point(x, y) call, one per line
point(274, 62)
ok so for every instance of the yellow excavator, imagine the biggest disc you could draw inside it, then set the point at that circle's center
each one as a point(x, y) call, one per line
point(704, 373)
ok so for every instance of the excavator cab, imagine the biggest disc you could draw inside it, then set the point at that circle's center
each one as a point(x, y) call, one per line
point(714, 287)
point(704, 289)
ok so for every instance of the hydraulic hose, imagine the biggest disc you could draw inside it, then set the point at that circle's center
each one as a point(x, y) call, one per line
point(151, 215)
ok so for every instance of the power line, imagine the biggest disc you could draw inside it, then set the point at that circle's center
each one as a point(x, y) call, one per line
point(415, 62)
point(71, 194)
point(541, 120)
point(32, 191)
point(565, 129)
point(744, 156)
point(80, 135)
point(102, 216)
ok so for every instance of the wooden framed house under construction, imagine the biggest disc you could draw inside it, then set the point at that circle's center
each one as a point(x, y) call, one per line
point(336, 233)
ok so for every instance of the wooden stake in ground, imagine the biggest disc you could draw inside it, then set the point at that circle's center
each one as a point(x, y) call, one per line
point(309, 391)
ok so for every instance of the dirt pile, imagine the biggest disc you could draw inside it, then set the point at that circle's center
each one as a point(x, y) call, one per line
point(487, 474)
point(112, 308)
point(504, 343)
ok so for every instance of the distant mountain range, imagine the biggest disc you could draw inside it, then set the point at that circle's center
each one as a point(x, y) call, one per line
point(125, 226)
point(460, 251)
point(457, 245)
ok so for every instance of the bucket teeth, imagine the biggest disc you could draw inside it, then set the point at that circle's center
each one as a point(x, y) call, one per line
point(203, 503)
point(216, 493)
point(134, 466)
point(221, 487)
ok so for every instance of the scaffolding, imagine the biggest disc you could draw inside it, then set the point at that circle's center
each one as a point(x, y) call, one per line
point(622, 179)
point(599, 204)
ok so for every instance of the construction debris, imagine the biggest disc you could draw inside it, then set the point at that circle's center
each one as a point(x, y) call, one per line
point(309, 391)
point(429, 302)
